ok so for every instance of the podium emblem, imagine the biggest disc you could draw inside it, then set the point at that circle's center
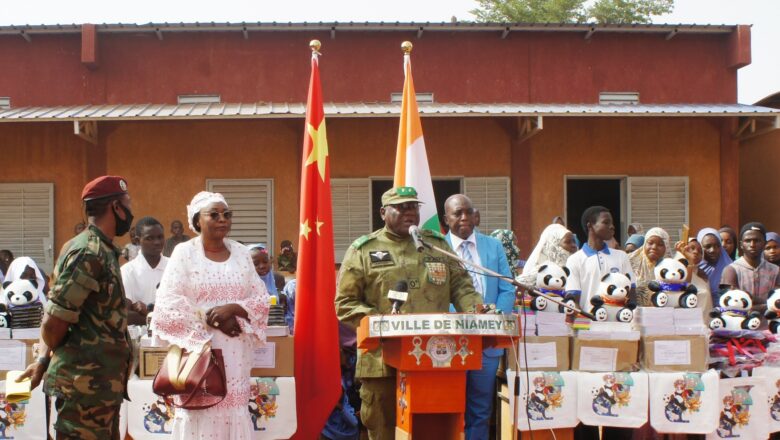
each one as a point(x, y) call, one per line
point(441, 350)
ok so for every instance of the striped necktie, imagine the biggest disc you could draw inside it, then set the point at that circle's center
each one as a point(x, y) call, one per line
point(465, 252)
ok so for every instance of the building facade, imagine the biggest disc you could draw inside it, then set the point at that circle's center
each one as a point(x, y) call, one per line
point(532, 121)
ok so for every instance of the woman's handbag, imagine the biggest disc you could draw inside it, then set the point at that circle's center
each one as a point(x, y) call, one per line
point(188, 375)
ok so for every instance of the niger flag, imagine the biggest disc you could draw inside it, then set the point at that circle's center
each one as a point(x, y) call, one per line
point(411, 160)
point(317, 365)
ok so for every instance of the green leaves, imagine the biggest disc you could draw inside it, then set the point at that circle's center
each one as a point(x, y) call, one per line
point(571, 11)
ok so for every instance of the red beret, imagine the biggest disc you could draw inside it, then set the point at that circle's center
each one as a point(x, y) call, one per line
point(104, 186)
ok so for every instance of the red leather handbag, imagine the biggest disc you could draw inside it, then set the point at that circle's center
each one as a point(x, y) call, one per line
point(190, 375)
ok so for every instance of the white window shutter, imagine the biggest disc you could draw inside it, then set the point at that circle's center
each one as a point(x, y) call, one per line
point(491, 195)
point(351, 199)
point(659, 201)
point(27, 221)
point(251, 201)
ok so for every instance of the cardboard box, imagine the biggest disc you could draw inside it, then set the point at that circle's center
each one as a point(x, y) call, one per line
point(276, 358)
point(604, 355)
point(545, 353)
point(150, 360)
point(675, 353)
point(11, 355)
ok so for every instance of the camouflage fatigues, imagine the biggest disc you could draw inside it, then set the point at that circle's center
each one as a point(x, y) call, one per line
point(372, 266)
point(287, 263)
point(88, 372)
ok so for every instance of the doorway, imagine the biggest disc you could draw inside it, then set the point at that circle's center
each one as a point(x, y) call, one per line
point(584, 192)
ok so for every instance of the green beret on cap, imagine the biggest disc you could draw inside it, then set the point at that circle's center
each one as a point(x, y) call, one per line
point(401, 194)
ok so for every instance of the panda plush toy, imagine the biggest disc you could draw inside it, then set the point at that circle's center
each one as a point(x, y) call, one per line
point(612, 302)
point(4, 322)
point(551, 281)
point(734, 311)
point(669, 286)
point(772, 313)
point(19, 292)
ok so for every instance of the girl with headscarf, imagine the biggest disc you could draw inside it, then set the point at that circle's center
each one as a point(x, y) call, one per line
point(555, 245)
point(508, 241)
point(693, 252)
point(715, 259)
point(644, 259)
point(772, 249)
point(264, 268)
point(211, 294)
point(25, 268)
point(729, 241)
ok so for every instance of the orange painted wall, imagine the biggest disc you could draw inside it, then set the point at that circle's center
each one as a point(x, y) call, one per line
point(166, 163)
point(626, 146)
point(759, 160)
point(47, 153)
point(456, 147)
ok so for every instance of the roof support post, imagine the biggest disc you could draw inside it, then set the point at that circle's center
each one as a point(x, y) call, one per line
point(86, 130)
point(89, 46)
point(528, 127)
point(521, 184)
point(749, 128)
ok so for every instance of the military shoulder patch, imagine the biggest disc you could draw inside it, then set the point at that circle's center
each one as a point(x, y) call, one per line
point(357, 244)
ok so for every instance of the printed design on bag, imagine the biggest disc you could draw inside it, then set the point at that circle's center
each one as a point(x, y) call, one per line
point(685, 399)
point(545, 397)
point(263, 393)
point(614, 394)
point(736, 412)
point(158, 416)
point(774, 403)
point(12, 417)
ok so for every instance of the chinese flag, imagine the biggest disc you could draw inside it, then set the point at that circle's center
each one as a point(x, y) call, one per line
point(317, 365)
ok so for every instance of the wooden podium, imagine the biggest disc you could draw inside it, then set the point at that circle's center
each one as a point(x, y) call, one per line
point(432, 353)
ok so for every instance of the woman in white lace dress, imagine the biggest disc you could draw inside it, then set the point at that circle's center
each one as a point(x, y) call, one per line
point(210, 292)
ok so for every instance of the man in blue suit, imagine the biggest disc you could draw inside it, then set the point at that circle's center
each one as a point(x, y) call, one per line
point(485, 251)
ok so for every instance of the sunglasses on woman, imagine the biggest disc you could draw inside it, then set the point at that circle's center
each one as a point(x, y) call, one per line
point(215, 215)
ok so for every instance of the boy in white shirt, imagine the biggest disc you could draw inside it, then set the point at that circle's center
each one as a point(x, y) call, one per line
point(142, 275)
point(596, 259)
point(587, 266)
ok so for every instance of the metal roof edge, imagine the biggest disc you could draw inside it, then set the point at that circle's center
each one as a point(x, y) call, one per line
point(265, 110)
point(370, 26)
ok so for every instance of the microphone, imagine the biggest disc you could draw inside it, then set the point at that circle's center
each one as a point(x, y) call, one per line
point(414, 231)
point(398, 296)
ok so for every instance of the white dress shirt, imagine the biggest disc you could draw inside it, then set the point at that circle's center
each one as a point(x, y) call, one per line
point(141, 280)
point(457, 244)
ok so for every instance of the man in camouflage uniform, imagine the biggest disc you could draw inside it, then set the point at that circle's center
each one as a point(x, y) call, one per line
point(84, 331)
point(372, 266)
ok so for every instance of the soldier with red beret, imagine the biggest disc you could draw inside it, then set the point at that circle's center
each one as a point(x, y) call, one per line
point(84, 344)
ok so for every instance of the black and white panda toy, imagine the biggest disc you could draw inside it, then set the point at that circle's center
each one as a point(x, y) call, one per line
point(551, 281)
point(670, 287)
point(4, 320)
point(19, 292)
point(772, 313)
point(612, 303)
point(734, 311)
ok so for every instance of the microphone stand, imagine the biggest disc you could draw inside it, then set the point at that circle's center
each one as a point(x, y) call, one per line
point(522, 289)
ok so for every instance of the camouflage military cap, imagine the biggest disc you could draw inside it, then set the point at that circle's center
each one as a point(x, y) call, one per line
point(398, 195)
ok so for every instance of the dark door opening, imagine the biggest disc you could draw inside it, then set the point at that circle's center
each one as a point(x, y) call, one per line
point(584, 193)
point(442, 189)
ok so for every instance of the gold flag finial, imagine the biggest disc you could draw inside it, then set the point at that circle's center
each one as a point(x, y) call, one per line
point(315, 45)
point(406, 47)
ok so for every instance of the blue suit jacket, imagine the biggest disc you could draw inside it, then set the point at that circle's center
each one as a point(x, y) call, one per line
point(498, 292)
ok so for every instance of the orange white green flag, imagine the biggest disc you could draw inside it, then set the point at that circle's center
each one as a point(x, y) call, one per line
point(411, 160)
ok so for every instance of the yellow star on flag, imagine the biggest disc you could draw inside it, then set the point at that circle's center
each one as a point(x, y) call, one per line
point(305, 229)
point(319, 147)
point(319, 224)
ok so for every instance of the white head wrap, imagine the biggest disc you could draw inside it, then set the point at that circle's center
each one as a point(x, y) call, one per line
point(663, 235)
point(547, 249)
point(200, 201)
